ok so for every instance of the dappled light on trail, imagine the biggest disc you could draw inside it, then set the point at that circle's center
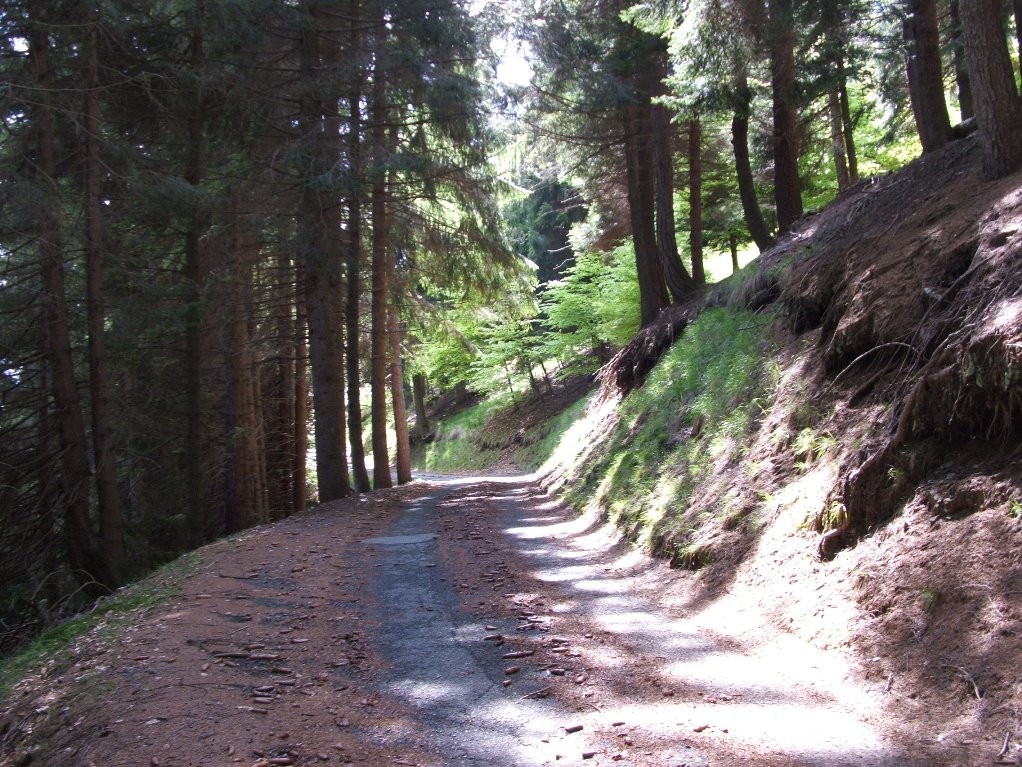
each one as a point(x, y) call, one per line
point(519, 633)
point(781, 697)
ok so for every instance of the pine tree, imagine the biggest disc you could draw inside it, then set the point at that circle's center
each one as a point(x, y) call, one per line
point(998, 110)
point(925, 75)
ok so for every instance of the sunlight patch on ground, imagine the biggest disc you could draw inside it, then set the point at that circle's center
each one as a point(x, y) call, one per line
point(782, 697)
point(427, 691)
point(823, 735)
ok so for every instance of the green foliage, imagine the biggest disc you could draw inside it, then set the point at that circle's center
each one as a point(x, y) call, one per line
point(596, 303)
point(541, 441)
point(508, 350)
point(445, 347)
point(619, 305)
point(538, 225)
point(809, 447)
point(835, 517)
point(593, 306)
point(1015, 508)
point(692, 556)
point(569, 308)
point(697, 409)
point(931, 597)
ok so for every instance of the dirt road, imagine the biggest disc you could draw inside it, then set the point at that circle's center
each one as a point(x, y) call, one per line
point(453, 622)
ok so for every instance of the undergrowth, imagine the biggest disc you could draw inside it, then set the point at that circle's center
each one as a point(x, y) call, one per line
point(541, 441)
point(112, 612)
point(694, 414)
point(456, 445)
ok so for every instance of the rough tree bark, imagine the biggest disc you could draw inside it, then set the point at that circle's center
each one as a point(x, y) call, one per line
point(652, 289)
point(301, 398)
point(680, 283)
point(419, 405)
point(381, 245)
point(279, 397)
point(925, 75)
point(354, 262)
point(966, 105)
point(998, 109)
point(196, 272)
point(320, 233)
point(246, 485)
point(695, 199)
point(837, 139)
point(743, 166)
point(402, 445)
point(1017, 9)
point(111, 526)
point(846, 124)
point(787, 187)
point(84, 556)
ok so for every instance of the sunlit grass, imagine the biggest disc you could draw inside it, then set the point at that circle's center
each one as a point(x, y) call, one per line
point(694, 415)
point(456, 446)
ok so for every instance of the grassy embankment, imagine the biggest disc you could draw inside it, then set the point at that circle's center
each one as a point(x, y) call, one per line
point(642, 458)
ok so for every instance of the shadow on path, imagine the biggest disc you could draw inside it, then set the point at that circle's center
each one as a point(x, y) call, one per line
point(784, 705)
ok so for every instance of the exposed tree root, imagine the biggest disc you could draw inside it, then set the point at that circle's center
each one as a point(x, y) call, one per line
point(629, 367)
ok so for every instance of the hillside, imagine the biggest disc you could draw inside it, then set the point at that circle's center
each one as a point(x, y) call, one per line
point(842, 464)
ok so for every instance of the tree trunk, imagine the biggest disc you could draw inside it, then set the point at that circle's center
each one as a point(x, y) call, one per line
point(246, 476)
point(679, 282)
point(998, 110)
point(652, 290)
point(354, 245)
point(195, 276)
point(837, 139)
point(1017, 7)
point(533, 383)
point(380, 292)
point(280, 400)
point(846, 123)
point(743, 167)
point(402, 445)
point(301, 414)
point(732, 241)
point(965, 102)
point(546, 378)
point(787, 187)
point(111, 526)
point(925, 75)
point(419, 405)
point(320, 232)
point(85, 558)
point(352, 350)
point(695, 198)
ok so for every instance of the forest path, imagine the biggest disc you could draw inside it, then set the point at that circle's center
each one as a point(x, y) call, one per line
point(468, 621)
point(482, 557)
